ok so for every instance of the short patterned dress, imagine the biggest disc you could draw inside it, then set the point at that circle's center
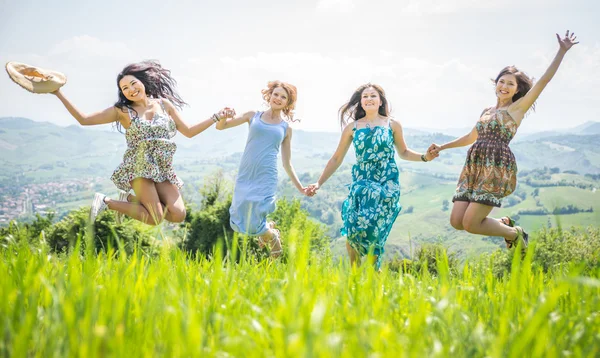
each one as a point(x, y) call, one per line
point(490, 171)
point(373, 202)
point(150, 150)
point(256, 182)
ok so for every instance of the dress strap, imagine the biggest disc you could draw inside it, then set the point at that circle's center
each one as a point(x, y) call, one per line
point(162, 105)
point(130, 113)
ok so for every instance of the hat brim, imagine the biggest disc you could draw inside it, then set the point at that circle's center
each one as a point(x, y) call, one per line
point(35, 79)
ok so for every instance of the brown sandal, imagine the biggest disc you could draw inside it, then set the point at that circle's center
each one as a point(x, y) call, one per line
point(506, 220)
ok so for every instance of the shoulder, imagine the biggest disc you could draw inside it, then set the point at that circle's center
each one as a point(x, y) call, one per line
point(485, 110)
point(395, 124)
point(120, 113)
point(348, 130)
point(249, 115)
point(167, 104)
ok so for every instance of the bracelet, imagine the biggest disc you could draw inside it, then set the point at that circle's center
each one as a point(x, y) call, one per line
point(215, 118)
point(423, 158)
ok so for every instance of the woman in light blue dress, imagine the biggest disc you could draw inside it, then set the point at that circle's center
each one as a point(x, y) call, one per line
point(256, 182)
point(373, 202)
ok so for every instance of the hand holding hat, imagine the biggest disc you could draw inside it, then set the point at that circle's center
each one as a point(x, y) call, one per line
point(35, 79)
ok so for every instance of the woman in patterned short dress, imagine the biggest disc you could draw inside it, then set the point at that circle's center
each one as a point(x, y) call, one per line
point(490, 171)
point(147, 109)
point(373, 202)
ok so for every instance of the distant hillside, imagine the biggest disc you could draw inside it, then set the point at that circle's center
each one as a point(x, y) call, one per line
point(41, 150)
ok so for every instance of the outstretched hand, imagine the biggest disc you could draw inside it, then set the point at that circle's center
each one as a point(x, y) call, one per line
point(567, 42)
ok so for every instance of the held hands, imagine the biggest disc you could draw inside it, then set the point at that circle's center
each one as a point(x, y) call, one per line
point(567, 42)
point(432, 152)
point(225, 113)
point(311, 190)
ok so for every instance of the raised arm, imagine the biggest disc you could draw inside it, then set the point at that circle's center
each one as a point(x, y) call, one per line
point(335, 161)
point(286, 159)
point(192, 130)
point(520, 107)
point(403, 151)
point(109, 115)
point(236, 121)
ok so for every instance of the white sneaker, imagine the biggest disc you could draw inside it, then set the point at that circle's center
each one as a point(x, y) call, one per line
point(122, 197)
point(98, 206)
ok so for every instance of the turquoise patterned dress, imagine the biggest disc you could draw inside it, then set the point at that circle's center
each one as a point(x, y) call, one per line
point(374, 199)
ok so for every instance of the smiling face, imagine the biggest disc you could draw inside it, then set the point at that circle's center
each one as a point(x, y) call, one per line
point(506, 87)
point(132, 88)
point(370, 100)
point(279, 98)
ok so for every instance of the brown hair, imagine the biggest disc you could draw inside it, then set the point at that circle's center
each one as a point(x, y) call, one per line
point(524, 82)
point(292, 93)
point(352, 110)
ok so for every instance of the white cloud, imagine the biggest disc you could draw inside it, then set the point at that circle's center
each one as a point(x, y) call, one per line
point(335, 5)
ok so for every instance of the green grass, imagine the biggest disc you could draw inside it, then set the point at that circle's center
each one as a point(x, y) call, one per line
point(109, 305)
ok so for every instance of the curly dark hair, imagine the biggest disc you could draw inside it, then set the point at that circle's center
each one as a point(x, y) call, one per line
point(157, 81)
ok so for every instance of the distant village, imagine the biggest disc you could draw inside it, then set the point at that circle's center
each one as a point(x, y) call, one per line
point(31, 199)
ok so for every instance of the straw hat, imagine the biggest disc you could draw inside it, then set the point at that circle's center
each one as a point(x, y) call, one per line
point(35, 79)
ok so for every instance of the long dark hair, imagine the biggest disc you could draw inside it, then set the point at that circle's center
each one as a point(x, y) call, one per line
point(524, 82)
point(353, 111)
point(157, 81)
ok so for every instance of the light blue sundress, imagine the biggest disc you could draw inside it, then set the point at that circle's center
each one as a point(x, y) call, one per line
point(373, 203)
point(256, 182)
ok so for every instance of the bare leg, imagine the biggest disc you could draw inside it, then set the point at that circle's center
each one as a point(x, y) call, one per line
point(354, 258)
point(173, 203)
point(476, 221)
point(148, 209)
point(270, 239)
point(457, 215)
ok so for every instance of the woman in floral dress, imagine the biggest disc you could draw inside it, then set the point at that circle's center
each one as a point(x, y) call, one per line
point(373, 202)
point(148, 110)
point(490, 171)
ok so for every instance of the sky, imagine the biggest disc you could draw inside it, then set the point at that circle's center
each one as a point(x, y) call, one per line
point(434, 58)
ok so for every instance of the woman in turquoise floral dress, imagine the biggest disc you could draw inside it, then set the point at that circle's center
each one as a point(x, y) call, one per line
point(373, 202)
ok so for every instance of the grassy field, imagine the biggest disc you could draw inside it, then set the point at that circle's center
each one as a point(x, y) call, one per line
point(173, 306)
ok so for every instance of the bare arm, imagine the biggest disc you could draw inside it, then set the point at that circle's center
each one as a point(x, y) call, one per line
point(234, 122)
point(286, 159)
point(109, 115)
point(183, 127)
point(518, 109)
point(336, 159)
point(465, 140)
point(403, 151)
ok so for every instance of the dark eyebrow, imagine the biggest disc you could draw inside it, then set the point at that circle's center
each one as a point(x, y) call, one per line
point(131, 81)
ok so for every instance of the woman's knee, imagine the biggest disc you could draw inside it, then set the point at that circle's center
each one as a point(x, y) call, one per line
point(469, 224)
point(457, 223)
point(176, 214)
point(155, 211)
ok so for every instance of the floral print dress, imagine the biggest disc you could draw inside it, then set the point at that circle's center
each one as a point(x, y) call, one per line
point(490, 171)
point(150, 150)
point(373, 203)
